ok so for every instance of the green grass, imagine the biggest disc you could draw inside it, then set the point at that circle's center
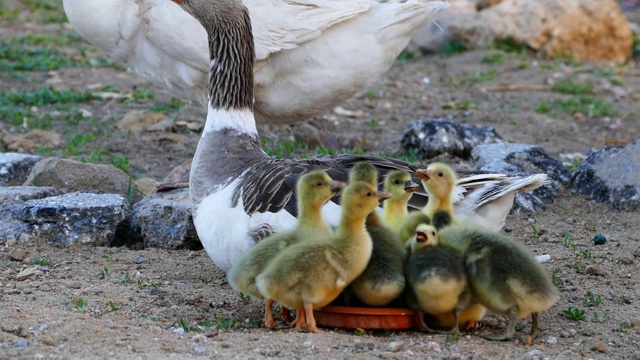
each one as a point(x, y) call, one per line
point(600, 317)
point(42, 262)
point(575, 314)
point(44, 96)
point(172, 105)
point(587, 105)
point(121, 162)
point(568, 86)
point(453, 48)
point(77, 141)
point(511, 45)
point(80, 304)
point(494, 58)
point(457, 105)
point(591, 299)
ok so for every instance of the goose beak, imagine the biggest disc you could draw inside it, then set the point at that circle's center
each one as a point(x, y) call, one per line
point(422, 237)
point(383, 195)
point(337, 186)
point(410, 186)
point(424, 174)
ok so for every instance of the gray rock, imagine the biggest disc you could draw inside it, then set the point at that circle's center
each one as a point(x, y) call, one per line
point(70, 176)
point(164, 220)
point(11, 227)
point(431, 137)
point(20, 194)
point(15, 167)
point(81, 217)
point(521, 159)
point(611, 175)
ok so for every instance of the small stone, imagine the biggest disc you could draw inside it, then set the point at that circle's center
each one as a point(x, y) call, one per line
point(572, 332)
point(636, 355)
point(564, 334)
point(20, 343)
point(433, 345)
point(636, 322)
point(627, 259)
point(599, 239)
point(535, 353)
point(24, 333)
point(395, 346)
point(199, 349)
point(600, 347)
point(47, 341)
point(38, 356)
point(178, 331)
point(591, 270)
point(28, 272)
point(18, 255)
point(552, 340)
point(137, 259)
point(43, 327)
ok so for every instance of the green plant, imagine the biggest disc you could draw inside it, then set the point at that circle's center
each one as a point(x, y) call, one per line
point(121, 162)
point(568, 86)
point(41, 262)
point(493, 58)
point(544, 108)
point(80, 304)
point(578, 267)
point(370, 94)
point(535, 231)
point(623, 328)
point(222, 323)
point(600, 317)
point(105, 273)
point(204, 279)
point(592, 299)
point(454, 47)
point(244, 297)
point(586, 254)
point(567, 243)
point(172, 105)
point(112, 307)
point(126, 279)
point(586, 105)
point(556, 279)
point(45, 96)
point(573, 313)
point(456, 105)
point(452, 338)
point(182, 323)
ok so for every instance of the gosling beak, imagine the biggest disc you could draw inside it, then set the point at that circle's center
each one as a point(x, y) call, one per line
point(336, 186)
point(422, 237)
point(383, 195)
point(424, 174)
point(410, 186)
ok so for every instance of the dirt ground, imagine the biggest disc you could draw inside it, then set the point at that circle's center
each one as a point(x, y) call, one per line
point(120, 303)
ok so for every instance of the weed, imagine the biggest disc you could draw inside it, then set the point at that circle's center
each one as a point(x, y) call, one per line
point(204, 279)
point(139, 96)
point(172, 105)
point(76, 142)
point(555, 279)
point(600, 317)
point(360, 332)
point(105, 273)
point(43, 97)
point(481, 76)
point(567, 243)
point(454, 47)
point(80, 304)
point(222, 323)
point(156, 286)
point(112, 307)
point(41, 262)
point(405, 57)
point(535, 231)
point(493, 58)
point(370, 94)
point(95, 155)
point(592, 299)
point(373, 124)
point(121, 162)
point(456, 105)
point(244, 297)
point(452, 338)
point(586, 105)
point(609, 75)
point(511, 45)
point(544, 107)
point(182, 323)
point(578, 267)
point(573, 313)
point(586, 254)
point(568, 86)
point(623, 328)
point(126, 279)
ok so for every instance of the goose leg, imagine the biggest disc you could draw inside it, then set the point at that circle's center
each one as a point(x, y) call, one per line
point(510, 331)
point(268, 313)
point(456, 327)
point(300, 320)
point(535, 325)
point(311, 320)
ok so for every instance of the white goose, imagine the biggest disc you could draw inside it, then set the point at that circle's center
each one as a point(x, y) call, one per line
point(240, 194)
point(311, 54)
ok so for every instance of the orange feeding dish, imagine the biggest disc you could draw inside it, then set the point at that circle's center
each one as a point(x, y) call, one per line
point(368, 318)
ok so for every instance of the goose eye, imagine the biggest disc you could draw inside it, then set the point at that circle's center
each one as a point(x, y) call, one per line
point(440, 174)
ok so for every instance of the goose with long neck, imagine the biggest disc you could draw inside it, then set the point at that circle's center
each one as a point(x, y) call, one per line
point(240, 194)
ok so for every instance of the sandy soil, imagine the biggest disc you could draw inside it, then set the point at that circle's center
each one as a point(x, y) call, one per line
point(120, 303)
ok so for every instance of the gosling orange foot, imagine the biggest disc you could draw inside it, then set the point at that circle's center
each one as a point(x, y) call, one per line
point(268, 313)
point(300, 320)
point(311, 320)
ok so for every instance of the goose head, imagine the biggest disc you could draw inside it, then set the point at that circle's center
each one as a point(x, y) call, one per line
point(316, 188)
point(399, 185)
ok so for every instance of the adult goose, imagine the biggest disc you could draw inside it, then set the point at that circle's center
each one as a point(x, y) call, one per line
point(311, 54)
point(240, 194)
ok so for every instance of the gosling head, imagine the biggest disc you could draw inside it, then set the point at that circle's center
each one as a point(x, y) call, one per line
point(366, 172)
point(438, 179)
point(399, 185)
point(316, 187)
point(361, 198)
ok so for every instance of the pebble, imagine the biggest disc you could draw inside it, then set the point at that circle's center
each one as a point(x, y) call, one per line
point(600, 347)
point(572, 332)
point(627, 259)
point(48, 341)
point(599, 239)
point(179, 331)
point(636, 355)
point(551, 340)
point(636, 322)
point(591, 270)
point(43, 327)
point(535, 353)
point(433, 346)
point(20, 343)
point(38, 356)
point(137, 259)
point(395, 346)
point(18, 255)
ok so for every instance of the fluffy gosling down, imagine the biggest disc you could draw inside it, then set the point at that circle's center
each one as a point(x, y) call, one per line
point(503, 274)
point(383, 280)
point(436, 277)
point(314, 189)
point(313, 273)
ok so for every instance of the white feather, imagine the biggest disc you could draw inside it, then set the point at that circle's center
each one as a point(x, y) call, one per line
point(241, 120)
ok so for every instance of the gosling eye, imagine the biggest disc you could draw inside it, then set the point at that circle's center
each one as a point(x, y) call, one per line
point(369, 193)
point(440, 174)
point(397, 182)
point(433, 233)
point(319, 184)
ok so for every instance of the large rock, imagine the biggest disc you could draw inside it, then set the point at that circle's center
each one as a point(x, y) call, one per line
point(69, 176)
point(611, 175)
point(521, 159)
point(14, 168)
point(164, 220)
point(20, 194)
point(32, 140)
point(80, 217)
point(11, 199)
point(431, 137)
point(582, 29)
